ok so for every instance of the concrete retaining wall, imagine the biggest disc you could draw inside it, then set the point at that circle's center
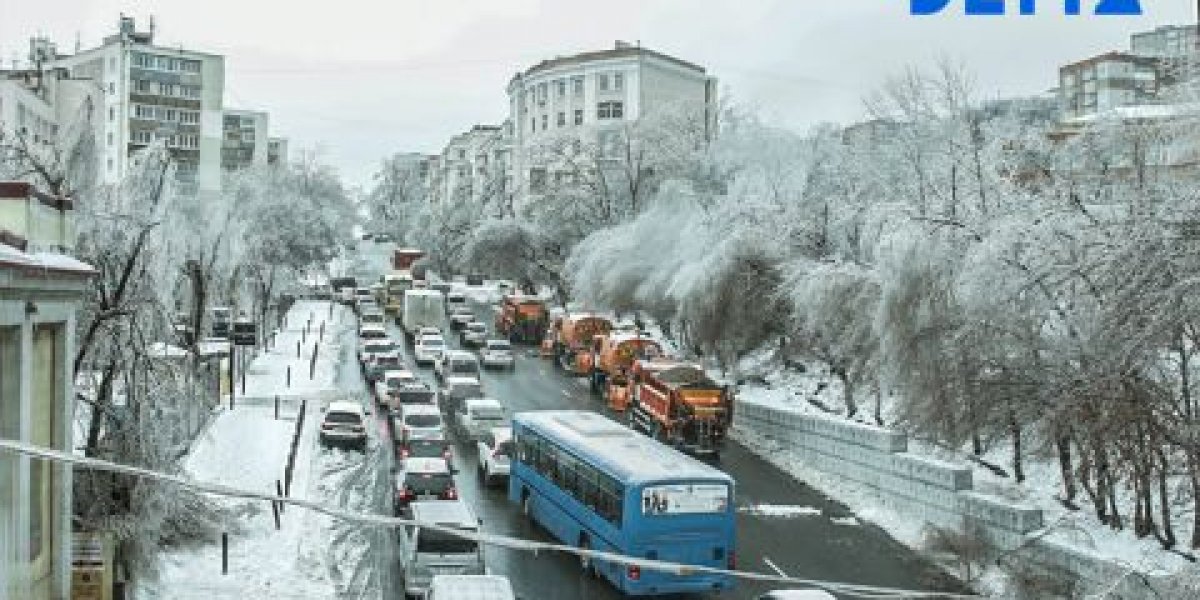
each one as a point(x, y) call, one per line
point(935, 492)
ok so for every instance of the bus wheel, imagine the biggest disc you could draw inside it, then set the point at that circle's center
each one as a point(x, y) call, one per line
point(587, 563)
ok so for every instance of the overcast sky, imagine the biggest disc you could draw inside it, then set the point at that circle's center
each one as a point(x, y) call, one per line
point(360, 79)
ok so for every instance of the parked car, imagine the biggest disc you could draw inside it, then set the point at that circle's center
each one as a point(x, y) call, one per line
point(423, 479)
point(419, 422)
point(456, 389)
point(428, 349)
point(344, 423)
point(456, 362)
point(474, 334)
point(380, 362)
point(495, 450)
point(472, 587)
point(460, 316)
point(425, 552)
point(497, 353)
point(478, 416)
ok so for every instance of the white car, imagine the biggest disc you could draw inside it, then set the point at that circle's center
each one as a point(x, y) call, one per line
point(460, 316)
point(474, 334)
point(497, 353)
point(424, 331)
point(393, 379)
point(371, 332)
point(480, 415)
point(420, 422)
point(455, 390)
point(368, 348)
point(428, 349)
point(344, 423)
point(495, 451)
point(475, 587)
point(456, 363)
point(372, 317)
point(456, 299)
point(378, 363)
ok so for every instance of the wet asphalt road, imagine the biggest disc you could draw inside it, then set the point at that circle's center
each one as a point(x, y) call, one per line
point(811, 546)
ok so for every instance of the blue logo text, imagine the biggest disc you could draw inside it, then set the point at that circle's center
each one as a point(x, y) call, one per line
point(1026, 7)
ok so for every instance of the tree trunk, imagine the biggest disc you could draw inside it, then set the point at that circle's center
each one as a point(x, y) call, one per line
point(100, 407)
point(1063, 443)
point(1015, 429)
point(1168, 530)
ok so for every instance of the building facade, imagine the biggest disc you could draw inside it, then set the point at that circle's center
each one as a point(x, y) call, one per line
point(473, 167)
point(244, 139)
point(277, 151)
point(156, 93)
point(586, 96)
point(39, 293)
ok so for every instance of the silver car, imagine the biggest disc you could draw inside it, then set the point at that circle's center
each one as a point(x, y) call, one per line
point(425, 553)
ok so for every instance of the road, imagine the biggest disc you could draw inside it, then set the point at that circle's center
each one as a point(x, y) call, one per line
point(809, 546)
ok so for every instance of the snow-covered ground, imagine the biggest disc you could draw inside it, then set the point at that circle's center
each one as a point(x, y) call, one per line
point(311, 555)
point(803, 391)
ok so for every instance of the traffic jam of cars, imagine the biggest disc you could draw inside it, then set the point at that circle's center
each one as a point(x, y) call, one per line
point(558, 467)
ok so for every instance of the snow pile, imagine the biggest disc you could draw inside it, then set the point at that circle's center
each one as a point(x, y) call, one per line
point(781, 510)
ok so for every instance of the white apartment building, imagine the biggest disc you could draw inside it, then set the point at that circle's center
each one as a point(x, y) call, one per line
point(156, 92)
point(474, 166)
point(245, 141)
point(587, 94)
point(277, 150)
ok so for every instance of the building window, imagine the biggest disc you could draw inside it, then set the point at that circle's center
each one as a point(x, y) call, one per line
point(618, 81)
point(110, 139)
point(112, 63)
point(562, 118)
point(610, 110)
point(141, 86)
point(541, 93)
point(577, 86)
point(533, 124)
point(562, 87)
point(545, 122)
point(112, 113)
point(110, 165)
point(189, 117)
point(112, 87)
point(189, 91)
point(191, 66)
point(537, 180)
point(579, 116)
point(602, 82)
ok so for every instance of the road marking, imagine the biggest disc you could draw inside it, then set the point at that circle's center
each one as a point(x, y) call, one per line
point(774, 567)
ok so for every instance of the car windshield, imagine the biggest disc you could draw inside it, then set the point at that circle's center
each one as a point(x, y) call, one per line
point(505, 448)
point(437, 542)
point(417, 396)
point(428, 483)
point(466, 390)
point(373, 334)
point(477, 327)
point(423, 420)
point(342, 417)
point(488, 413)
point(464, 366)
point(388, 360)
point(433, 342)
point(499, 346)
point(427, 448)
point(380, 347)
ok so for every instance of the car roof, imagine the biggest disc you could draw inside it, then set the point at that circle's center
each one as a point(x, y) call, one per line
point(419, 409)
point(499, 341)
point(501, 433)
point(415, 464)
point(350, 407)
point(454, 513)
point(460, 354)
point(401, 373)
point(472, 587)
point(483, 402)
point(430, 336)
point(481, 324)
point(461, 379)
point(372, 327)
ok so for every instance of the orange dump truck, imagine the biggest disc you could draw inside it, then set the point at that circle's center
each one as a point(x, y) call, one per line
point(612, 357)
point(680, 405)
point(573, 335)
point(522, 319)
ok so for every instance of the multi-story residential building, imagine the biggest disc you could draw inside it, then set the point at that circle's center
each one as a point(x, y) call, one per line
point(474, 166)
point(156, 92)
point(1105, 82)
point(245, 142)
point(40, 290)
point(589, 95)
point(277, 150)
point(1156, 61)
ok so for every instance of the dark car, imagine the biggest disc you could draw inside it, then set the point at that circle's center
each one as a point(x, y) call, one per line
point(475, 279)
point(423, 479)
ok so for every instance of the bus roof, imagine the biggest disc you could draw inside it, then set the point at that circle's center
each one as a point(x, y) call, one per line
point(629, 456)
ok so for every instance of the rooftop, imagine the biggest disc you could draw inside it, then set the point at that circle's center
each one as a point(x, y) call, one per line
point(619, 50)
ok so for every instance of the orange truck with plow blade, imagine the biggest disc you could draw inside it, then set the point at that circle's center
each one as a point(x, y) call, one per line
point(573, 335)
point(679, 405)
point(522, 319)
point(612, 356)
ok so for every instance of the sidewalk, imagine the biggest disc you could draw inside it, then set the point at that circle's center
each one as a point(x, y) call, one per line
point(248, 448)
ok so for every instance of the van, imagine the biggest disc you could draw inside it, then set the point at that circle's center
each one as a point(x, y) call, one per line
point(470, 587)
point(425, 552)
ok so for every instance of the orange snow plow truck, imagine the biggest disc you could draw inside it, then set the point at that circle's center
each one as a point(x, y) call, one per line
point(612, 357)
point(680, 405)
point(522, 319)
point(573, 335)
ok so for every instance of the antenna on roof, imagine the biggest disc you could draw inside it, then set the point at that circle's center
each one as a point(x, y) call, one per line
point(78, 42)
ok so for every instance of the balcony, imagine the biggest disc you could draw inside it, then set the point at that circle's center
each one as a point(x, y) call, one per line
point(44, 223)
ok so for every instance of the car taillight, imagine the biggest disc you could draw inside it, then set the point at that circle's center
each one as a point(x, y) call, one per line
point(732, 562)
point(404, 493)
point(404, 453)
point(446, 454)
point(634, 572)
point(451, 494)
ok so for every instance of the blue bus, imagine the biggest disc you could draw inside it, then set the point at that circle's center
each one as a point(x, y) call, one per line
point(596, 484)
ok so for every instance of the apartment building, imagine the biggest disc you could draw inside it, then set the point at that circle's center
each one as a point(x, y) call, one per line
point(1155, 60)
point(277, 150)
point(40, 291)
point(153, 92)
point(244, 139)
point(474, 166)
point(589, 95)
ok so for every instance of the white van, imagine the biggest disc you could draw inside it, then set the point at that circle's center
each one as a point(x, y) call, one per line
point(422, 308)
point(425, 552)
point(479, 416)
point(470, 587)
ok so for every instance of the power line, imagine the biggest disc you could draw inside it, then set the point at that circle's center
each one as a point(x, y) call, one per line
point(854, 590)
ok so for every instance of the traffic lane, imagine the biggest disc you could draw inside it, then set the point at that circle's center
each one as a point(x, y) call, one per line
point(810, 546)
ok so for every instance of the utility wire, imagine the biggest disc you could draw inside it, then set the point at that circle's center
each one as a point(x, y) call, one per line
point(853, 590)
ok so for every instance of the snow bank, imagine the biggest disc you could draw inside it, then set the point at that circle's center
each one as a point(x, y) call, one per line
point(781, 510)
